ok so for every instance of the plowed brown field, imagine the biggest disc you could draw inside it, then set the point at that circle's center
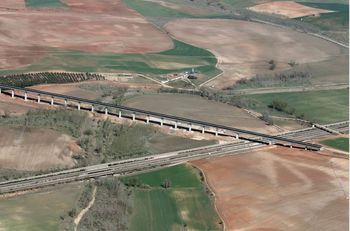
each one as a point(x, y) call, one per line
point(35, 149)
point(244, 49)
point(279, 189)
point(289, 9)
point(93, 26)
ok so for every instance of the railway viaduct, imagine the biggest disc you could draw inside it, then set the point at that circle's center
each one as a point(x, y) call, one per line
point(148, 117)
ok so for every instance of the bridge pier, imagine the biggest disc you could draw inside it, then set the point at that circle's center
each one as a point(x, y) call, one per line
point(25, 96)
point(147, 119)
point(175, 125)
point(12, 94)
point(119, 114)
point(133, 116)
point(0, 90)
point(65, 103)
point(51, 101)
point(161, 122)
point(106, 111)
point(216, 132)
point(92, 108)
point(39, 98)
point(203, 130)
point(190, 128)
point(78, 106)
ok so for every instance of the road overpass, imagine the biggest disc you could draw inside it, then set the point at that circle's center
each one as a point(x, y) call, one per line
point(148, 117)
point(141, 164)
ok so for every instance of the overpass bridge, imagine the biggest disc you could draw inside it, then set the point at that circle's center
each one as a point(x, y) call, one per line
point(148, 117)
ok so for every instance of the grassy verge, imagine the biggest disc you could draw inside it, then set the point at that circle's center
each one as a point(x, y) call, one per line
point(44, 3)
point(316, 106)
point(338, 143)
point(171, 199)
point(45, 210)
point(338, 20)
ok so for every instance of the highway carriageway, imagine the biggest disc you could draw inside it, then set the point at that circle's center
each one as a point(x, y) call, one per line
point(153, 117)
point(147, 163)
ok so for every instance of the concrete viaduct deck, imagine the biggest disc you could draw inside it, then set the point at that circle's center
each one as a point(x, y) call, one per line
point(134, 114)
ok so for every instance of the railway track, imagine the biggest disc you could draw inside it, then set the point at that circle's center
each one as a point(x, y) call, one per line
point(151, 117)
point(136, 165)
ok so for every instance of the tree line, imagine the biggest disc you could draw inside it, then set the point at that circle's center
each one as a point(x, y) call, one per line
point(31, 79)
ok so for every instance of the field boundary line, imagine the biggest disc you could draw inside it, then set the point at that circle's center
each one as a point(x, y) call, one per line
point(213, 192)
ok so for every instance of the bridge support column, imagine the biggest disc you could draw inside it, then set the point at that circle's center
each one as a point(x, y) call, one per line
point(203, 130)
point(12, 94)
point(25, 96)
point(0, 90)
point(92, 108)
point(120, 114)
point(39, 98)
point(65, 103)
point(51, 101)
point(147, 119)
point(78, 106)
point(175, 125)
point(133, 116)
point(161, 122)
point(106, 111)
point(270, 142)
point(190, 128)
point(236, 137)
point(216, 132)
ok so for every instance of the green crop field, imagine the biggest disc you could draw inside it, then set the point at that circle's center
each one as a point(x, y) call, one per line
point(44, 3)
point(182, 57)
point(184, 204)
point(152, 9)
point(338, 20)
point(338, 143)
point(317, 106)
point(40, 211)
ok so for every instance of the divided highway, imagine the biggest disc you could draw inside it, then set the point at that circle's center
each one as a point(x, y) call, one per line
point(136, 165)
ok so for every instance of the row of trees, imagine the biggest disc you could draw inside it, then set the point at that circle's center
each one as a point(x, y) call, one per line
point(287, 78)
point(30, 79)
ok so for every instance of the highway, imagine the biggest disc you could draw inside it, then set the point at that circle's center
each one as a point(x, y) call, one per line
point(265, 138)
point(141, 164)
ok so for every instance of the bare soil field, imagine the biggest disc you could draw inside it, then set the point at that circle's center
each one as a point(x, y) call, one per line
point(15, 107)
point(279, 189)
point(30, 34)
point(288, 9)
point(69, 89)
point(199, 108)
point(97, 6)
point(186, 8)
point(12, 4)
point(35, 149)
point(244, 49)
